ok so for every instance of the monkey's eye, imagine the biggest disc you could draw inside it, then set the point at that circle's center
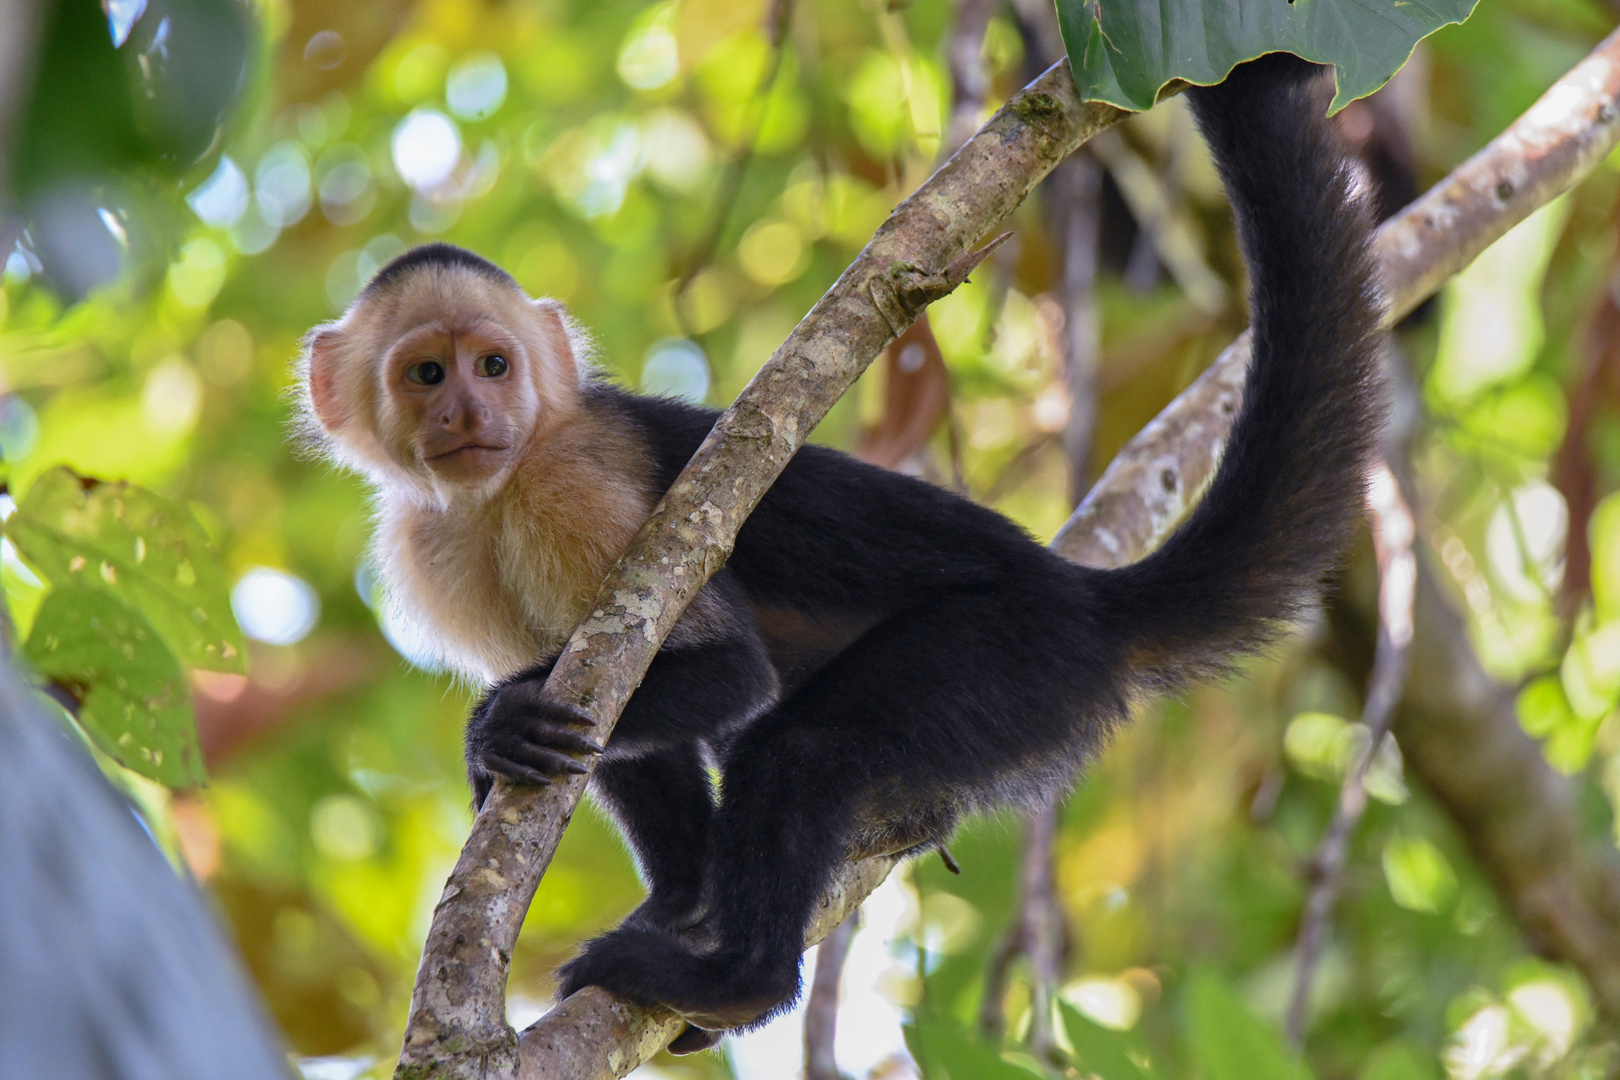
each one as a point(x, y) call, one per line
point(427, 373)
point(492, 365)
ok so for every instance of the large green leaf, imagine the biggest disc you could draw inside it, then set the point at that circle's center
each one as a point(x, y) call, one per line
point(133, 692)
point(944, 1050)
point(1140, 45)
point(147, 550)
point(1231, 1043)
point(1100, 1051)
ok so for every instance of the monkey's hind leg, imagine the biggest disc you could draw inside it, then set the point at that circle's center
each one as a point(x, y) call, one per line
point(950, 699)
point(785, 839)
point(663, 803)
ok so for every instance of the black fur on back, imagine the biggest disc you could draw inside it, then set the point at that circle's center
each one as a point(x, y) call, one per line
point(1289, 489)
point(436, 254)
point(837, 535)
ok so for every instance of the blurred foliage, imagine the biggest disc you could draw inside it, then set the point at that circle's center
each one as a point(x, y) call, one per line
point(190, 200)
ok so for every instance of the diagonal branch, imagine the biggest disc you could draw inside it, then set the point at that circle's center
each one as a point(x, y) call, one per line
point(457, 1024)
point(456, 1027)
point(1153, 483)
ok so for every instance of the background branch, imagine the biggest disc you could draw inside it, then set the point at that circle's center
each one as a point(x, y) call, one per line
point(1394, 533)
point(778, 20)
point(821, 1010)
point(457, 1025)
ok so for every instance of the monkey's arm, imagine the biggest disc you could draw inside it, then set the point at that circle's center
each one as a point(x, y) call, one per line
point(654, 780)
point(710, 677)
point(664, 803)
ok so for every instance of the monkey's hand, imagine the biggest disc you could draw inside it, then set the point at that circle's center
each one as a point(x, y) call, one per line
point(517, 733)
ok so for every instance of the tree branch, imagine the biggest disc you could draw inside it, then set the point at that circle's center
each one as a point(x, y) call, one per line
point(1457, 726)
point(821, 1008)
point(456, 1026)
point(596, 1036)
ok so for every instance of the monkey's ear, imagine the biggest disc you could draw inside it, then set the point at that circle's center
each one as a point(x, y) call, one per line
point(323, 351)
point(563, 367)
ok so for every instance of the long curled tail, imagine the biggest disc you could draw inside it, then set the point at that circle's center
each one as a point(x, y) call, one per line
point(1281, 507)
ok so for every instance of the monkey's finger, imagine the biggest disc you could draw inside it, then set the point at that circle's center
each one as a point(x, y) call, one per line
point(562, 738)
point(518, 774)
point(518, 701)
point(693, 1039)
point(572, 715)
point(545, 759)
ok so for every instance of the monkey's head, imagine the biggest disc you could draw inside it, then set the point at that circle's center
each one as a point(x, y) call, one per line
point(439, 376)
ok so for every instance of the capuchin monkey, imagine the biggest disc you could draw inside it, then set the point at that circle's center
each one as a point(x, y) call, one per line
point(879, 656)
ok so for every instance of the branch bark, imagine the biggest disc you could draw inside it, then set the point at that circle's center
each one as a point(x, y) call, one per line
point(456, 1026)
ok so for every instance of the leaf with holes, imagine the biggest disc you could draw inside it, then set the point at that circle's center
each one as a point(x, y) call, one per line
point(141, 547)
point(135, 702)
point(1125, 51)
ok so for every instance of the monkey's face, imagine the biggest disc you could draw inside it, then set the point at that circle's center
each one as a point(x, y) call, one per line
point(458, 401)
point(439, 383)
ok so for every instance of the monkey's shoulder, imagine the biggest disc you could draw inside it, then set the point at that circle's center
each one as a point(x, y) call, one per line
point(835, 533)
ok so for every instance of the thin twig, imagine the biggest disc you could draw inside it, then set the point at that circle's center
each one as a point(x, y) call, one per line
point(821, 1010)
point(778, 18)
point(1037, 932)
point(1165, 232)
point(1393, 532)
point(1017, 469)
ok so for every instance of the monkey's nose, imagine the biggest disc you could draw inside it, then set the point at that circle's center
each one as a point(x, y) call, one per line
point(461, 416)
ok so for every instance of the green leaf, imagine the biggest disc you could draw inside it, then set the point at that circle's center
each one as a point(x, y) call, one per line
point(135, 702)
point(944, 1050)
point(1231, 1043)
point(152, 553)
point(1100, 1051)
point(1141, 45)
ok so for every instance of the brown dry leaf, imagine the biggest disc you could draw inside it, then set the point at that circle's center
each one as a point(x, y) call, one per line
point(1574, 471)
point(916, 395)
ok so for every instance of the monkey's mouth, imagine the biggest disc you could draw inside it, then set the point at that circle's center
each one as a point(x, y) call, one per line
point(469, 452)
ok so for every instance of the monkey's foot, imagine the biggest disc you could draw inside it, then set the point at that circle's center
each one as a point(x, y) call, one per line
point(694, 1040)
point(684, 917)
point(713, 991)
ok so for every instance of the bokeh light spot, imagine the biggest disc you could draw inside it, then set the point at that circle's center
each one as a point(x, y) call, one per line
point(649, 57)
point(222, 199)
point(282, 185)
point(676, 367)
point(274, 606)
point(426, 148)
point(476, 86)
